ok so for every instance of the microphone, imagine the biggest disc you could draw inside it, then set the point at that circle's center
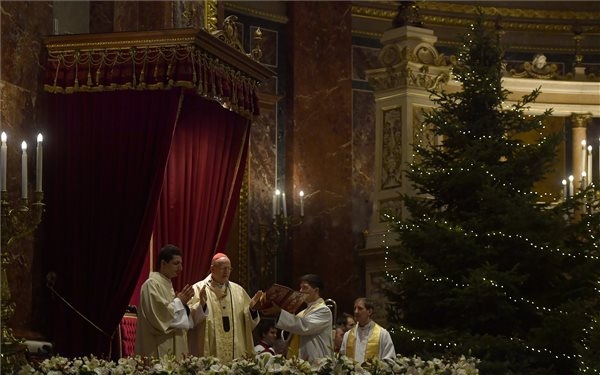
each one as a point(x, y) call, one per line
point(50, 282)
point(51, 279)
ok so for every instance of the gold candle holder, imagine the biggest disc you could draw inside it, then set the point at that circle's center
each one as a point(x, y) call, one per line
point(16, 223)
point(274, 238)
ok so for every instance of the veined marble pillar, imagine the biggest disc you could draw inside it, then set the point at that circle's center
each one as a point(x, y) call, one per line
point(412, 65)
point(579, 150)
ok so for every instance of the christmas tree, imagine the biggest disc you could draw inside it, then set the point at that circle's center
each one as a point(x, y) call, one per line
point(487, 267)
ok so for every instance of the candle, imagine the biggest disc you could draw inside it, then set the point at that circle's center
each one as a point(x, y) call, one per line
point(589, 165)
point(24, 170)
point(564, 183)
point(284, 204)
point(274, 205)
point(571, 178)
point(277, 195)
point(583, 154)
point(38, 163)
point(301, 203)
point(583, 181)
point(3, 162)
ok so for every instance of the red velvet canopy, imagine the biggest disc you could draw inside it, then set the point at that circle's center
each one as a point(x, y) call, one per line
point(147, 137)
point(163, 59)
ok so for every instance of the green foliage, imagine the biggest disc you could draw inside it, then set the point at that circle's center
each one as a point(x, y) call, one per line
point(485, 269)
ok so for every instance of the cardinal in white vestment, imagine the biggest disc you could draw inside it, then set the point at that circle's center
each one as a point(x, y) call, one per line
point(163, 317)
point(367, 339)
point(227, 318)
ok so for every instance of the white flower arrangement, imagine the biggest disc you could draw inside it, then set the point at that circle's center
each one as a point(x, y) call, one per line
point(263, 365)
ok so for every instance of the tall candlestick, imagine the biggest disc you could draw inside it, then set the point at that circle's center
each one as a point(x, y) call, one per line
point(24, 170)
point(301, 203)
point(589, 164)
point(38, 163)
point(3, 149)
point(284, 205)
point(564, 184)
point(571, 178)
point(583, 153)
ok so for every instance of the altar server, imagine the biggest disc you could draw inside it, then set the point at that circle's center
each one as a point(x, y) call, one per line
point(367, 339)
point(311, 328)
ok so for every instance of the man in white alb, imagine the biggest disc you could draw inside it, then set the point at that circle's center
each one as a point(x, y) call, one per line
point(311, 328)
point(367, 339)
point(163, 317)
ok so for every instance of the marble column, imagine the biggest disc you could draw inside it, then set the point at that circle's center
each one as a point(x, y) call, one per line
point(318, 155)
point(412, 65)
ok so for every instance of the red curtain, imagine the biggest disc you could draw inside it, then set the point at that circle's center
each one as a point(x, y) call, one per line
point(202, 184)
point(105, 157)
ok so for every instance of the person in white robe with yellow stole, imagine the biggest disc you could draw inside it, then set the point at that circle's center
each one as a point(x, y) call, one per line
point(311, 328)
point(224, 328)
point(367, 339)
point(163, 318)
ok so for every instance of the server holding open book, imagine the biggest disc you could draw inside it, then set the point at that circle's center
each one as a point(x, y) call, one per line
point(286, 298)
point(310, 328)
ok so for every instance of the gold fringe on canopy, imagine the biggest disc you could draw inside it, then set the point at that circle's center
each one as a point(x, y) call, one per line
point(155, 60)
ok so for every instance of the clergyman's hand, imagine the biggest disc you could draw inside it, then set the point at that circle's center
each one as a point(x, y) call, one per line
point(186, 293)
point(256, 299)
point(203, 295)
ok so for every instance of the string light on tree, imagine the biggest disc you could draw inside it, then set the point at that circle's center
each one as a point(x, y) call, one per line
point(478, 246)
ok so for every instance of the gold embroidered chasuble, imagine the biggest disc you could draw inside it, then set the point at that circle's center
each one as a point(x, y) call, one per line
point(372, 349)
point(226, 330)
point(154, 336)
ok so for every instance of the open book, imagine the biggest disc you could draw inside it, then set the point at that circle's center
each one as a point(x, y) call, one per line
point(286, 298)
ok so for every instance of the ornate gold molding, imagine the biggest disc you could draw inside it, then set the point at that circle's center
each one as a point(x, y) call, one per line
point(187, 58)
point(456, 45)
point(257, 13)
point(210, 15)
point(458, 15)
point(508, 11)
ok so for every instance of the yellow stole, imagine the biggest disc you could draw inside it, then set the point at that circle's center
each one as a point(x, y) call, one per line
point(372, 350)
point(294, 347)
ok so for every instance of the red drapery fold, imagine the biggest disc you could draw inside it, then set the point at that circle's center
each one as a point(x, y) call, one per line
point(202, 183)
point(105, 158)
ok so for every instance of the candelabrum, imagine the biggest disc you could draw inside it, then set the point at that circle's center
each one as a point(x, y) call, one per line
point(17, 222)
point(275, 235)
